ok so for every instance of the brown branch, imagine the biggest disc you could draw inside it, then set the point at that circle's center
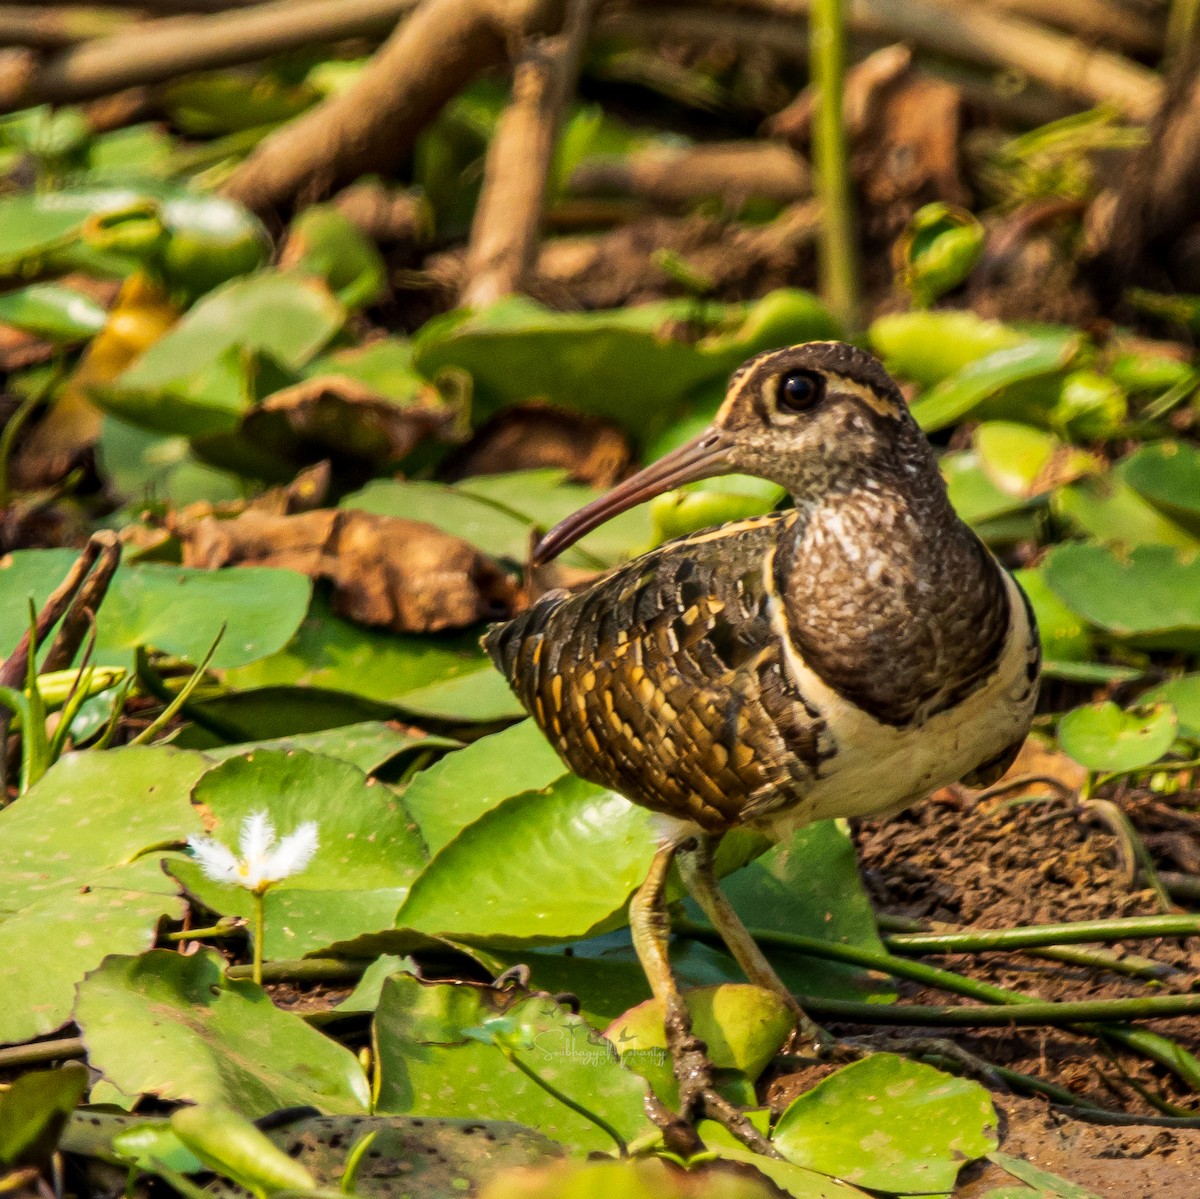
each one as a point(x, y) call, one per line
point(83, 609)
point(1096, 20)
point(12, 672)
point(508, 218)
point(374, 123)
point(670, 176)
point(159, 50)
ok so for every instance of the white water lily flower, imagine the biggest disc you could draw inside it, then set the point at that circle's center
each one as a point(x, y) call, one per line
point(262, 862)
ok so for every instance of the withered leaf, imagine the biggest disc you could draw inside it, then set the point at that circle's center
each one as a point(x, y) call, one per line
point(535, 436)
point(334, 415)
point(386, 572)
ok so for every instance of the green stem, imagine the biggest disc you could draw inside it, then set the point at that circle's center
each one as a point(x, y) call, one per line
point(259, 925)
point(1036, 936)
point(565, 1099)
point(64, 1049)
point(227, 926)
point(838, 252)
point(1003, 1015)
point(1156, 1047)
point(303, 970)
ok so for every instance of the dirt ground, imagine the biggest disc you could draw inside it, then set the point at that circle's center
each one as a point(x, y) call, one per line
point(1003, 863)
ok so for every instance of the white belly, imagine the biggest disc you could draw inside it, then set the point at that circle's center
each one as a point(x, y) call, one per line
point(878, 768)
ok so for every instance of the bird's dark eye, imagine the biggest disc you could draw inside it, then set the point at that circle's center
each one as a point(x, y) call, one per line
point(799, 391)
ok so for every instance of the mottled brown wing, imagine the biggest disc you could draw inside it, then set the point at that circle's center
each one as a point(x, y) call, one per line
point(665, 680)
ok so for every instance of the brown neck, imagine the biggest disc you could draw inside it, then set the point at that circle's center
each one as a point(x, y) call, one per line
point(890, 598)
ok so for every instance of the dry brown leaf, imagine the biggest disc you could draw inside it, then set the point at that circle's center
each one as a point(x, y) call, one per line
point(334, 415)
point(386, 572)
point(534, 436)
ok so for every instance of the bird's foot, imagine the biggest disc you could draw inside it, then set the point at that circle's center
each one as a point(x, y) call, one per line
point(698, 1097)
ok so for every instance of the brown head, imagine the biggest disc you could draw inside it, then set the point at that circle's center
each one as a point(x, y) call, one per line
point(814, 418)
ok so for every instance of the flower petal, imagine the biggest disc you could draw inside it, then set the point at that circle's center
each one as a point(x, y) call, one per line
point(293, 853)
point(258, 835)
point(216, 860)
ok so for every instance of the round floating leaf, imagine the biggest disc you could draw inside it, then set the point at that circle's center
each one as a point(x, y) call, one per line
point(460, 788)
point(811, 885)
point(368, 856)
point(169, 608)
point(630, 1179)
point(173, 1026)
point(743, 1026)
point(975, 497)
point(1168, 475)
point(928, 347)
point(1065, 638)
point(429, 1065)
point(91, 812)
point(622, 364)
point(1107, 509)
point(1104, 737)
point(33, 1111)
point(1183, 694)
point(791, 1179)
point(369, 746)
point(547, 865)
point(335, 655)
point(1150, 595)
point(889, 1124)
point(987, 378)
point(1023, 461)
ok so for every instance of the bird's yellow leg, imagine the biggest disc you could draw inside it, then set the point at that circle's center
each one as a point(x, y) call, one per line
point(651, 927)
point(695, 861)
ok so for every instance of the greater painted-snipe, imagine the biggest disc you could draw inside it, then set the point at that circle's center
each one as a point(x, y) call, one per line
point(844, 657)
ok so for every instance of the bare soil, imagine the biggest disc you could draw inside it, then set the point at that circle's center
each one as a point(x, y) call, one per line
point(1007, 862)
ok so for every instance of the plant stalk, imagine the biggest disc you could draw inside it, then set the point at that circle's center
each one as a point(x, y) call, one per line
point(838, 254)
point(1037, 936)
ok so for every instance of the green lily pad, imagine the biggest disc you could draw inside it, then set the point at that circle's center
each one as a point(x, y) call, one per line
point(1167, 474)
point(810, 885)
point(1065, 637)
point(975, 497)
point(889, 1124)
point(1107, 509)
point(173, 609)
point(34, 1111)
point(387, 668)
point(634, 1178)
point(71, 890)
point(743, 1027)
point(172, 1026)
point(623, 364)
point(960, 395)
point(1090, 406)
point(1149, 596)
point(59, 314)
point(1104, 737)
point(369, 746)
point(928, 347)
point(279, 316)
point(327, 244)
point(1183, 694)
point(1024, 461)
point(369, 853)
point(435, 1060)
point(548, 865)
point(456, 791)
point(501, 513)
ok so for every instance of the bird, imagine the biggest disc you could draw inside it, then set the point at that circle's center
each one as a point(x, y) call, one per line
point(841, 657)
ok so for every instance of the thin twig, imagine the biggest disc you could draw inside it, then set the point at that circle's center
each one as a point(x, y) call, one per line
point(81, 615)
point(64, 1049)
point(508, 218)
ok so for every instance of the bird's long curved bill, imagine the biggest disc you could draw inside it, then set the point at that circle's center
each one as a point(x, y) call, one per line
point(701, 458)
